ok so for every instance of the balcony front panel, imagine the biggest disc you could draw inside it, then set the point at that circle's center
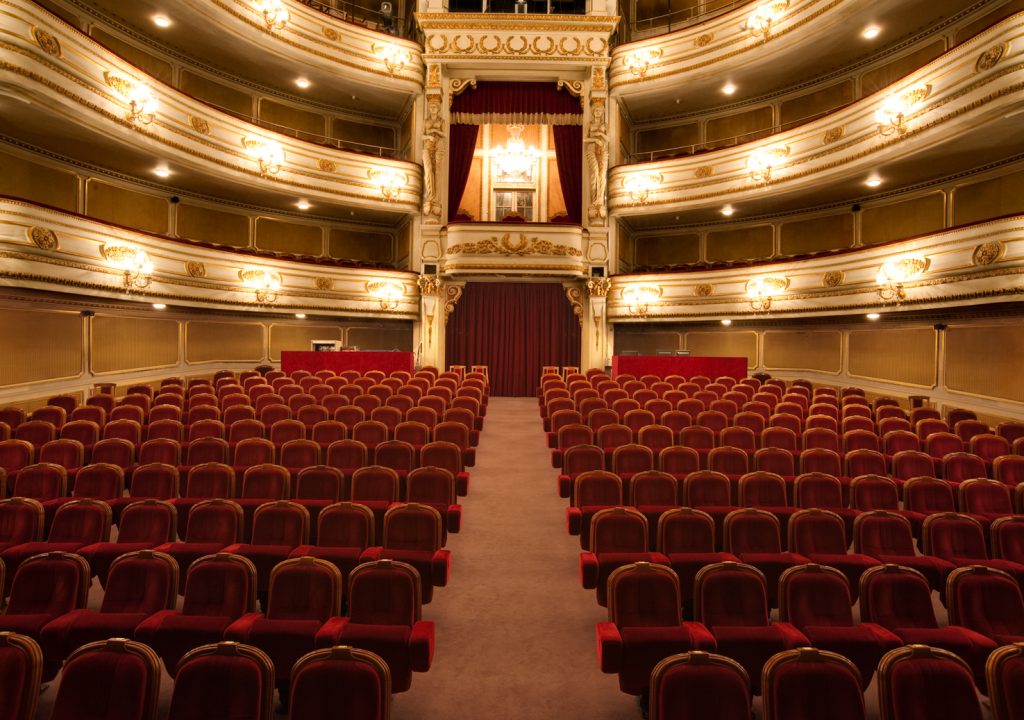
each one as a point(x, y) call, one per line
point(514, 249)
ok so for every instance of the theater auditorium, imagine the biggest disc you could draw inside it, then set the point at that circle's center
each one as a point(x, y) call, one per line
point(511, 359)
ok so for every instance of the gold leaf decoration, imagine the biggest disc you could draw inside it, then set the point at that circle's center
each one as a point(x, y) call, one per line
point(833, 134)
point(704, 290)
point(327, 165)
point(988, 253)
point(49, 44)
point(599, 286)
point(120, 84)
point(704, 171)
point(195, 269)
point(452, 293)
point(508, 247)
point(323, 283)
point(44, 238)
point(575, 298)
point(199, 125)
point(832, 278)
point(703, 40)
point(330, 33)
point(991, 57)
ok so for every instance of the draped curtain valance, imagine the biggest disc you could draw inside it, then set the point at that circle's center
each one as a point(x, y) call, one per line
point(523, 103)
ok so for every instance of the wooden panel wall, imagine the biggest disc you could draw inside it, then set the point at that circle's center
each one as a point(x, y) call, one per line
point(986, 360)
point(40, 345)
point(820, 350)
point(730, 343)
point(121, 343)
point(209, 341)
point(905, 356)
point(295, 337)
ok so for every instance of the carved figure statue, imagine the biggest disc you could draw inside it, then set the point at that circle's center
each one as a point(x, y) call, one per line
point(596, 149)
point(433, 135)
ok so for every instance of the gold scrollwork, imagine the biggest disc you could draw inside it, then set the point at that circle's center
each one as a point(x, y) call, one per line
point(704, 290)
point(535, 45)
point(576, 50)
point(323, 283)
point(988, 253)
point(199, 125)
point(521, 46)
point(575, 88)
point(990, 58)
point(460, 85)
point(575, 298)
point(490, 49)
point(703, 40)
point(599, 286)
point(508, 247)
point(195, 269)
point(832, 135)
point(832, 278)
point(704, 171)
point(120, 84)
point(44, 238)
point(49, 44)
point(452, 293)
point(460, 48)
point(330, 33)
point(327, 165)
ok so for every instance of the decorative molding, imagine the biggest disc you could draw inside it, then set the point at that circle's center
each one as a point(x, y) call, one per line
point(575, 297)
point(326, 165)
point(704, 290)
point(324, 284)
point(988, 253)
point(49, 44)
point(199, 124)
point(599, 286)
point(833, 135)
point(195, 269)
point(429, 284)
point(504, 245)
point(990, 58)
point(832, 278)
point(457, 86)
point(703, 40)
point(433, 76)
point(452, 293)
point(44, 238)
point(704, 171)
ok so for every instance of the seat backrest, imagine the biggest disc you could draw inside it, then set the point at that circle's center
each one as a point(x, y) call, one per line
point(42, 481)
point(266, 480)
point(21, 521)
point(874, 492)
point(225, 679)
point(762, 489)
point(730, 594)
point(894, 596)
point(304, 588)
point(220, 585)
point(729, 460)
point(375, 482)
point(319, 482)
point(618, 530)
point(412, 526)
point(431, 485)
point(752, 531)
point(644, 595)
point(818, 490)
point(699, 685)
point(340, 682)
point(148, 521)
point(49, 584)
point(775, 460)
point(954, 537)
point(84, 521)
point(685, 530)
point(144, 581)
point(678, 461)
point(817, 531)
point(654, 489)
point(1006, 692)
point(281, 523)
point(210, 480)
point(918, 681)
point(384, 592)
point(882, 533)
point(985, 496)
point(986, 600)
point(100, 480)
point(597, 488)
point(346, 454)
point(345, 524)
point(133, 696)
point(706, 488)
point(795, 680)
point(815, 596)
point(214, 521)
point(22, 663)
point(928, 495)
point(1008, 538)
point(961, 466)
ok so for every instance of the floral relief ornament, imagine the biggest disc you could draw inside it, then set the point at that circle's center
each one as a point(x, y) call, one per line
point(323, 283)
point(49, 44)
point(506, 246)
point(988, 253)
point(833, 278)
point(195, 269)
point(44, 238)
point(991, 57)
point(704, 290)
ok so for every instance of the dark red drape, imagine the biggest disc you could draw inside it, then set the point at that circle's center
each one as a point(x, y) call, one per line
point(514, 329)
point(569, 155)
point(517, 98)
point(461, 144)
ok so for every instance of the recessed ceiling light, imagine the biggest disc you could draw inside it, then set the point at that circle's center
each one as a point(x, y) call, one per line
point(162, 21)
point(870, 32)
point(873, 181)
point(300, 316)
point(303, 205)
point(728, 211)
point(159, 306)
point(303, 83)
point(162, 171)
point(727, 322)
point(872, 316)
point(729, 88)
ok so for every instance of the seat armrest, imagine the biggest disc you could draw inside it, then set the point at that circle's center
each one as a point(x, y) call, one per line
point(442, 567)
point(609, 647)
point(421, 646)
point(588, 570)
point(574, 520)
point(454, 518)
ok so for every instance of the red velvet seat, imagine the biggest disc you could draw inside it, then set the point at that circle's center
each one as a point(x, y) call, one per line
point(212, 526)
point(958, 467)
point(988, 601)
point(340, 682)
point(618, 536)
point(139, 584)
point(261, 484)
point(114, 679)
point(678, 461)
point(21, 669)
point(730, 600)
point(384, 618)
point(755, 537)
point(628, 460)
point(219, 589)
point(14, 455)
point(376, 487)
point(825, 492)
point(1006, 690)
point(458, 434)
point(45, 482)
point(412, 534)
point(899, 599)
point(145, 524)
point(346, 456)
point(448, 456)
point(710, 492)
point(344, 531)
point(207, 481)
point(592, 491)
point(304, 593)
point(1007, 538)
point(820, 536)
point(686, 537)
point(75, 525)
point(796, 681)
point(960, 540)
point(817, 600)
point(766, 491)
point(985, 500)
point(644, 625)
point(69, 454)
point(153, 481)
point(316, 487)
point(99, 481)
point(298, 454)
point(435, 487)
point(224, 680)
point(924, 496)
point(653, 493)
point(886, 536)
point(278, 528)
point(926, 682)
point(21, 521)
point(1009, 470)
point(399, 456)
point(697, 685)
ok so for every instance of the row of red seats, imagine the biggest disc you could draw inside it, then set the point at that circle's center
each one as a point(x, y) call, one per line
point(224, 679)
point(816, 656)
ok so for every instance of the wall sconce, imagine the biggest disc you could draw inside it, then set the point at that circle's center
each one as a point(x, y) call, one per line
point(390, 182)
point(386, 292)
point(639, 297)
point(762, 161)
point(268, 153)
point(394, 57)
point(143, 104)
point(639, 61)
point(894, 273)
point(264, 283)
point(640, 185)
point(759, 23)
point(133, 262)
point(891, 116)
point(762, 290)
point(275, 14)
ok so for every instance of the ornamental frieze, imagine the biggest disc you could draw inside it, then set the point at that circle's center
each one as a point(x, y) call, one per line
point(504, 245)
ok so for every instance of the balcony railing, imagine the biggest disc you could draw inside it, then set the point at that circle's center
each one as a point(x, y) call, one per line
point(386, 16)
point(537, 7)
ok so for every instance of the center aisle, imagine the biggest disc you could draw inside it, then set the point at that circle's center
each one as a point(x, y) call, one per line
point(515, 630)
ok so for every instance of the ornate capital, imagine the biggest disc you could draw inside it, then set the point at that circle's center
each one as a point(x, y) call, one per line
point(599, 286)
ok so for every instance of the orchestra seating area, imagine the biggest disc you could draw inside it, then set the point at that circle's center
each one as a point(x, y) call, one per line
point(249, 532)
point(731, 526)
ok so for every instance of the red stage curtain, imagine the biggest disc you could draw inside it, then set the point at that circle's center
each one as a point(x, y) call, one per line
point(569, 155)
point(461, 144)
point(525, 103)
point(514, 329)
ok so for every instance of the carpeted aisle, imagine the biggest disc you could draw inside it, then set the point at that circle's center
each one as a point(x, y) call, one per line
point(515, 630)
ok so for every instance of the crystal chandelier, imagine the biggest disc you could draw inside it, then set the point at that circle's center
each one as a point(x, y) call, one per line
point(515, 161)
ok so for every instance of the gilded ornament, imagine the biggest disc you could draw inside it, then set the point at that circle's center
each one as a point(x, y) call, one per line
point(429, 284)
point(195, 269)
point(575, 87)
point(704, 171)
point(199, 125)
point(703, 40)
point(597, 81)
point(833, 134)
point(433, 76)
point(323, 283)
point(704, 290)
point(599, 286)
point(120, 84)
point(452, 293)
point(460, 85)
point(988, 253)
point(330, 33)
point(327, 165)
point(832, 278)
point(508, 247)
point(49, 44)
point(44, 238)
point(575, 298)
point(990, 57)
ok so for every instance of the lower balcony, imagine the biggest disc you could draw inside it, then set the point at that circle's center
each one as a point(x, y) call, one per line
point(506, 248)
